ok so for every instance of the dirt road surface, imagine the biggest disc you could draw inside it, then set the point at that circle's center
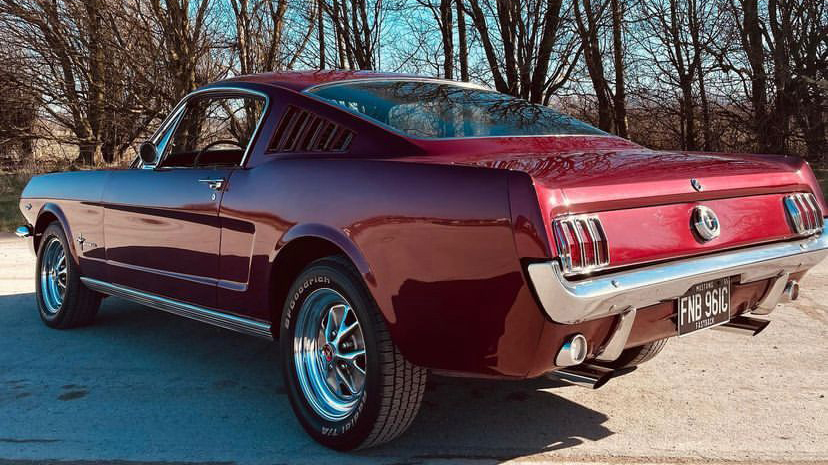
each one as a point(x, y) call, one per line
point(145, 387)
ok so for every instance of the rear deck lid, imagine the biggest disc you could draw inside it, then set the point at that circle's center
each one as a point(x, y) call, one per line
point(645, 198)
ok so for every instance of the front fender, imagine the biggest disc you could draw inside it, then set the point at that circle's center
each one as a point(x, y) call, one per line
point(49, 212)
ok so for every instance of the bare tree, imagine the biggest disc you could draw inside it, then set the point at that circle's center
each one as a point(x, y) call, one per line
point(676, 43)
point(269, 36)
point(442, 12)
point(590, 18)
point(797, 36)
point(185, 39)
point(751, 35)
point(75, 73)
point(320, 27)
point(519, 50)
point(357, 25)
point(462, 41)
point(620, 98)
point(780, 61)
point(739, 75)
point(18, 120)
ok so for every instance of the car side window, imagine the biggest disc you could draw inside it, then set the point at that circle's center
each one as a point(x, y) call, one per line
point(213, 131)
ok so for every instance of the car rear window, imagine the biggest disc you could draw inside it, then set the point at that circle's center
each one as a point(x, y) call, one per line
point(434, 110)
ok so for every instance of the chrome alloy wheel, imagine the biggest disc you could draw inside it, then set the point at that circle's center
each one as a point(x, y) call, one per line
point(329, 354)
point(53, 275)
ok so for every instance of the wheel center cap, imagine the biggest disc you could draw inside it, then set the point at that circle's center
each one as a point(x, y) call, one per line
point(327, 351)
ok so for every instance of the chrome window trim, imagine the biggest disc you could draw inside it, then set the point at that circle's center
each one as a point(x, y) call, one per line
point(159, 141)
point(205, 315)
point(470, 85)
point(309, 92)
point(571, 302)
point(175, 114)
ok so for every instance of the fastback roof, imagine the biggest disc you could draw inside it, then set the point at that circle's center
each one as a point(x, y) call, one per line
point(301, 80)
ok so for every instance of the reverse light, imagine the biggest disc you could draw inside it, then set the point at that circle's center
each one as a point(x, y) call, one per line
point(582, 244)
point(804, 213)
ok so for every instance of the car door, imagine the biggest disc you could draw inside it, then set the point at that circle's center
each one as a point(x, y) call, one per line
point(161, 222)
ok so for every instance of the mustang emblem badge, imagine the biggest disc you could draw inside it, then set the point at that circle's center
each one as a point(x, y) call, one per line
point(696, 185)
point(706, 223)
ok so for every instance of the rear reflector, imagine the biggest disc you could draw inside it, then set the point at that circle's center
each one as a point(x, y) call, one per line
point(804, 213)
point(582, 244)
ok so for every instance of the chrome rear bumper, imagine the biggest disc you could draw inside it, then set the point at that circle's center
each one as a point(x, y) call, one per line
point(571, 302)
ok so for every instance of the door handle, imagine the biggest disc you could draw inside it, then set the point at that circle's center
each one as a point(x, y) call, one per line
point(216, 184)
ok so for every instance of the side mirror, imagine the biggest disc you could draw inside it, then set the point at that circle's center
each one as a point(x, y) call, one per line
point(148, 152)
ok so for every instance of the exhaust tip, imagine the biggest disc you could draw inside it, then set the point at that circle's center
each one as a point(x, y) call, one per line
point(573, 352)
point(744, 325)
point(589, 375)
point(791, 291)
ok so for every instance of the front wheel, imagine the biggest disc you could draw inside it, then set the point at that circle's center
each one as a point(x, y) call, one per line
point(62, 299)
point(348, 384)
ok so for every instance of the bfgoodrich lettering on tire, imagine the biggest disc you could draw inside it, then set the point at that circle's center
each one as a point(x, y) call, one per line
point(348, 384)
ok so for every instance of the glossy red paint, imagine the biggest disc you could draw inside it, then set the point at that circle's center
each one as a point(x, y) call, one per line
point(441, 230)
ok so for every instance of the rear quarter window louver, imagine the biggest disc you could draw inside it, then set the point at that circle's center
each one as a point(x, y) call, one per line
point(303, 131)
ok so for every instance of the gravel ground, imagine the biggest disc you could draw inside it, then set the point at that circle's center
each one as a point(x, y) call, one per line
point(144, 387)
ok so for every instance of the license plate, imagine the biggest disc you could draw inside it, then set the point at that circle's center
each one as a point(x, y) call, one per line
point(705, 305)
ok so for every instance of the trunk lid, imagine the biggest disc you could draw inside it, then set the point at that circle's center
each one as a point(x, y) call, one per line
point(643, 197)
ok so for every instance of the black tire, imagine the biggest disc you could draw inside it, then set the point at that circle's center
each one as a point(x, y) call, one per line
point(635, 356)
point(79, 304)
point(393, 387)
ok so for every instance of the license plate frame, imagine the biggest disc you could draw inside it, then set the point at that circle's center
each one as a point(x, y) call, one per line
point(700, 307)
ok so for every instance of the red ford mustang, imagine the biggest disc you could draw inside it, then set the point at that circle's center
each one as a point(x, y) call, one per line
point(383, 226)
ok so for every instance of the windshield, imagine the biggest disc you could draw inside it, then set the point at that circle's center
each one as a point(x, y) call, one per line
point(431, 109)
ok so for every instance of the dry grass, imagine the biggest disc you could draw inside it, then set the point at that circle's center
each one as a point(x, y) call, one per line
point(11, 184)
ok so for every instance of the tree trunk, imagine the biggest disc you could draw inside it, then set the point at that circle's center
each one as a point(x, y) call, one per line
point(479, 20)
point(815, 129)
point(709, 143)
point(447, 32)
point(684, 74)
point(538, 82)
point(594, 61)
point(620, 86)
point(95, 101)
point(463, 50)
point(754, 48)
point(88, 152)
point(780, 115)
point(698, 50)
point(321, 31)
point(688, 111)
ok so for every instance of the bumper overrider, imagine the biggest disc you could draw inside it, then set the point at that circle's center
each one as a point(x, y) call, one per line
point(622, 293)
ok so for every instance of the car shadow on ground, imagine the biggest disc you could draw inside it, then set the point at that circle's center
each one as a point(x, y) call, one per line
point(237, 386)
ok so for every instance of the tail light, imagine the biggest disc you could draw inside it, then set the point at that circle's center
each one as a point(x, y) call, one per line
point(582, 244)
point(804, 213)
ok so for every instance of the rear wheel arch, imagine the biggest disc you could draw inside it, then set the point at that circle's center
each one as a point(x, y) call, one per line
point(295, 255)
